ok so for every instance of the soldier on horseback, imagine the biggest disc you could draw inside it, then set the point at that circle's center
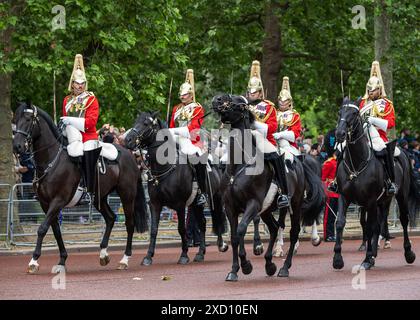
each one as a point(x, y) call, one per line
point(379, 112)
point(288, 120)
point(80, 115)
point(186, 121)
point(266, 123)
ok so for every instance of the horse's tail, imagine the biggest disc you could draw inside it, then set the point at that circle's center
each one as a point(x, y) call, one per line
point(141, 215)
point(314, 202)
point(218, 215)
point(413, 196)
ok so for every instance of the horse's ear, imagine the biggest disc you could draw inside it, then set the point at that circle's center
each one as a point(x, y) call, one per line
point(346, 100)
point(155, 114)
point(359, 99)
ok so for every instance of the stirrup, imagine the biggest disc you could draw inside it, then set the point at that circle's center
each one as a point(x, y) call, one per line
point(392, 188)
point(85, 199)
point(333, 187)
point(201, 199)
point(282, 201)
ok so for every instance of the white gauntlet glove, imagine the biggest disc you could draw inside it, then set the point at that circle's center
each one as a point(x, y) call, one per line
point(286, 134)
point(378, 122)
point(261, 127)
point(78, 123)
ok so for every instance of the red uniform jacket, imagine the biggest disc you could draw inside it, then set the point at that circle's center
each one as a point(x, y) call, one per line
point(194, 124)
point(265, 112)
point(91, 114)
point(384, 111)
point(328, 175)
point(291, 125)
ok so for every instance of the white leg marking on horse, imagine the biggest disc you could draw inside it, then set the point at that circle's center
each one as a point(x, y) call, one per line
point(103, 253)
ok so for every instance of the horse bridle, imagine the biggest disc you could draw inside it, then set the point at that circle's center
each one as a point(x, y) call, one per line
point(350, 129)
point(141, 136)
point(228, 106)
point(28, 135)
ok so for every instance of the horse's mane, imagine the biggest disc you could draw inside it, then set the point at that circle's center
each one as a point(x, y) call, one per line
point(44, 115)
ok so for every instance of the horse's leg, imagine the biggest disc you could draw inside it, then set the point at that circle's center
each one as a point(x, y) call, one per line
point(372, 227)
point(294, 237)
point(315, 238)
point(234, 240)
point(280, 242)
point(363, 224)
point(270, 267)
point(51, 215)
point(183, 259)
point(338, 262)
point(128, 205)
point(198, 212)
point(60, 267)
point(385, 229)
point(155, 209)
point(109, 217)
point(258, 245)
point(403, 206)
point(218, 208)
point(251, 210)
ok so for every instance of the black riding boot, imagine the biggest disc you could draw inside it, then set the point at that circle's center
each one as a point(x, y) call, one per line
point(389, 167)
point(201, 171)
point(278, 164)
point(89, 166)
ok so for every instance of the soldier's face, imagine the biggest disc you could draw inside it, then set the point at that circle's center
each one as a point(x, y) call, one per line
point(254, 96)
point(374, 94)
point(78, 88)
point(284, 105)
point(186, 98)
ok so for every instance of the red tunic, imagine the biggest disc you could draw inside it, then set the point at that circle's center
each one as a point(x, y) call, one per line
point(194, 125)
point(328, 175)
point(265, 112)
point(386, 112)
point(90, 114)
point(293, 125)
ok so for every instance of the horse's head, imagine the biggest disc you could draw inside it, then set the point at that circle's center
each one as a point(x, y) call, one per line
point(144, 130)
point(348, 119)
point(230, 107)
point(27, 127)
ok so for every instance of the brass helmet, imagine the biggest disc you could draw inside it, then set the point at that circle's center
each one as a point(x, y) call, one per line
point(188, 85)
point(255, 83)
point(285, 93)
point(78, 73)
point(375, 81)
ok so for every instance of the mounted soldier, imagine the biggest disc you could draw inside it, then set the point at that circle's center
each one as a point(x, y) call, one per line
point(266, 123)
point(80, 115)
point(185, 125)
point(290, 127)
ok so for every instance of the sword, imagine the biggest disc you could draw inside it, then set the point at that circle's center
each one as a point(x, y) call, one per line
point(169, 102)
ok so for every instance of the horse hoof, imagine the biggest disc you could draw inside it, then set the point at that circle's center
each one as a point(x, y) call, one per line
point(246, 267)
point(224, 247)
point(283, 273)
point(410, 256)
point(259, 249)
point(122, 266)
point(146, 261)
point(338, 262)
point(183, 260)
point(32, 269)
point(366, 266)
point(199, 257)
point(58, 269)
point(270, 269)
point(316, 242)
point(387, 244)
point(232, 276)
point(104, 261)
point(362, 248)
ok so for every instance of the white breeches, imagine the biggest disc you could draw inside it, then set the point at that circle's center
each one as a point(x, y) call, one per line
point(186, 146)
point(377, 143)
point(288, 150)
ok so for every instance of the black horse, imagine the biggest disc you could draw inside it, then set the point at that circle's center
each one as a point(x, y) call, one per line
point(360, 179)
point(57, 178)
point(171, 185)
point(245, 193)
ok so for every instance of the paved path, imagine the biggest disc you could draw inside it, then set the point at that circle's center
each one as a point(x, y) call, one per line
point(311, 276)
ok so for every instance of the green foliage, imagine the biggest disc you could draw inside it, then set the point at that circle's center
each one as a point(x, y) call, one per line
point(133, 49)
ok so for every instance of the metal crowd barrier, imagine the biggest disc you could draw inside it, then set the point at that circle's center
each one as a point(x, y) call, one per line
point(6, 203)
point(86, 224)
